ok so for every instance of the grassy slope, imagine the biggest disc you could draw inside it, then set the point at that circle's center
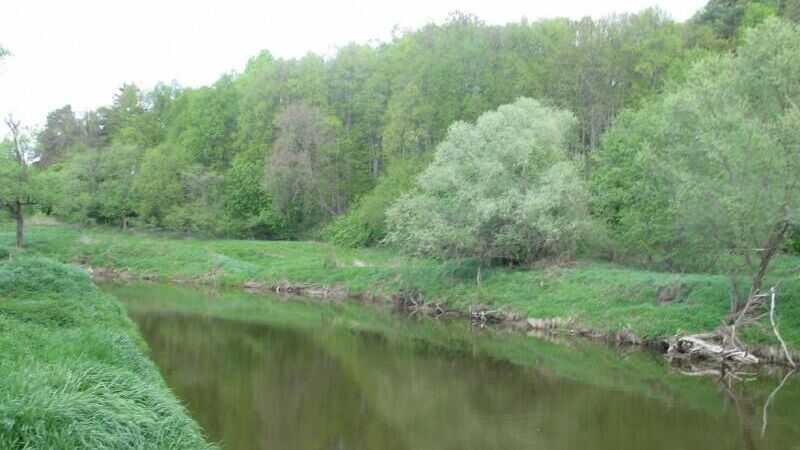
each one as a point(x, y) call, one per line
point(74, 369)
point(602, 296)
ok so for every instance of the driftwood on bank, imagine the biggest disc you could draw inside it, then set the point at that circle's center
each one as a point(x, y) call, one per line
point(723, 346)
point(701, 347)
point(313, 290)
point(411, 304)
point(482, 315)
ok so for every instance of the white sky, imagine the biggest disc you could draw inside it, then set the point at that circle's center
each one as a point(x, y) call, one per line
point(80, 51)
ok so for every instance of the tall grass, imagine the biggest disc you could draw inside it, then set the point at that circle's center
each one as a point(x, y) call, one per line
point(74, 372)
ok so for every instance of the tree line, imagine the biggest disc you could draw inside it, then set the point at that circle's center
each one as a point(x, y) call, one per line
point(433, 142)
point(205, 159)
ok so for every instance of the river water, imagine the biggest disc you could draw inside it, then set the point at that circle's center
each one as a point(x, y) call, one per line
point(274, 373)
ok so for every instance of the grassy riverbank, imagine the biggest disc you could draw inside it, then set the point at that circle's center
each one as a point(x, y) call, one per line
point(602, 296)
point(74, 369)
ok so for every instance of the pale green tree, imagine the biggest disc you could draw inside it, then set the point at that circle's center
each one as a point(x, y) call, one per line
point(503, 189)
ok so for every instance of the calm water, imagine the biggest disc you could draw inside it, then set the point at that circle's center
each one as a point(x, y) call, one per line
point(267, 373)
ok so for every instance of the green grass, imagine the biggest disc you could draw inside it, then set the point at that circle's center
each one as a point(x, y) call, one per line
point(602, 296)
point(74, 369)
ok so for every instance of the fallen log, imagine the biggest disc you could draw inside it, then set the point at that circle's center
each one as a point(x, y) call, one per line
point(694, 347)
point(481, 315)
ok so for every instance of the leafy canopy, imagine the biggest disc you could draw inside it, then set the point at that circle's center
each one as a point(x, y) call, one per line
point(502, 188)
point(712, 168)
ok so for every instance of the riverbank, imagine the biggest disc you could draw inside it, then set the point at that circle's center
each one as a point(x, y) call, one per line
point(74, 368)
point(602, 297)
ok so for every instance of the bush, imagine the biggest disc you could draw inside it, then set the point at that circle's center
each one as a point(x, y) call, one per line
point(503, 188)
point(365, 223)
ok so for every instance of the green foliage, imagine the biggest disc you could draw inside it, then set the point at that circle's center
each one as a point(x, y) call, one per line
point(633, 197)
point(350, 230)
point(61, 133)
point(203, 124)
point(158, 186)
point(248, 205)
point(16, 176)
point(502, 188)
point(722, 24)
point(96, 185)
point(20, 182)
point(755, 14)
point(723, 15)
point(74, 369)
point(793, 243)
point(201, 150)
point(365, 223)
point(129, 120)
point(710, 169)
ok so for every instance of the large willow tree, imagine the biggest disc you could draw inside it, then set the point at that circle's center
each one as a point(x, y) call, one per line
point(713, 168)
point(503, 188)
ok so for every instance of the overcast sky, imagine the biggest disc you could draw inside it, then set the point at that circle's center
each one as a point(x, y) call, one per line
point(79, 52)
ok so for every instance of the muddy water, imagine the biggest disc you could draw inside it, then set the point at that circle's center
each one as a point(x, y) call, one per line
point(271, 373)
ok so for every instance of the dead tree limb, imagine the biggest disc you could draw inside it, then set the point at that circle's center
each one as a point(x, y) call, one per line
point(775, 330)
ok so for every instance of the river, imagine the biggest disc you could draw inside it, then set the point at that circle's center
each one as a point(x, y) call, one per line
point(268, 372)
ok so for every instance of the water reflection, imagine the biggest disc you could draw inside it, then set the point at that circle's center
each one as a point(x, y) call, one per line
point(279, 386)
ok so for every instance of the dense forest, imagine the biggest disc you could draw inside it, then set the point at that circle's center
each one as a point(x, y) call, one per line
point(637, 119)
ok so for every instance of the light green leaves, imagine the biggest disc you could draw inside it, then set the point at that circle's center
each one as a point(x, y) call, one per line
point(502, 188)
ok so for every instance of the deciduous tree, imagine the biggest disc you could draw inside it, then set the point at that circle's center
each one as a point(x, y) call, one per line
point(500, 189)
point(16, 186)
point(716, 161)
point(304, 167)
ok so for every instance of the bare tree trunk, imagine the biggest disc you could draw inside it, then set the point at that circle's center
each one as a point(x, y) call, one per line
point(17, 213)
point(735, 297)
point(766, 254)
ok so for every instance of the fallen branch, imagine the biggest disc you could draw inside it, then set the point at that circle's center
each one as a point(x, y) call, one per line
point(775, 327)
